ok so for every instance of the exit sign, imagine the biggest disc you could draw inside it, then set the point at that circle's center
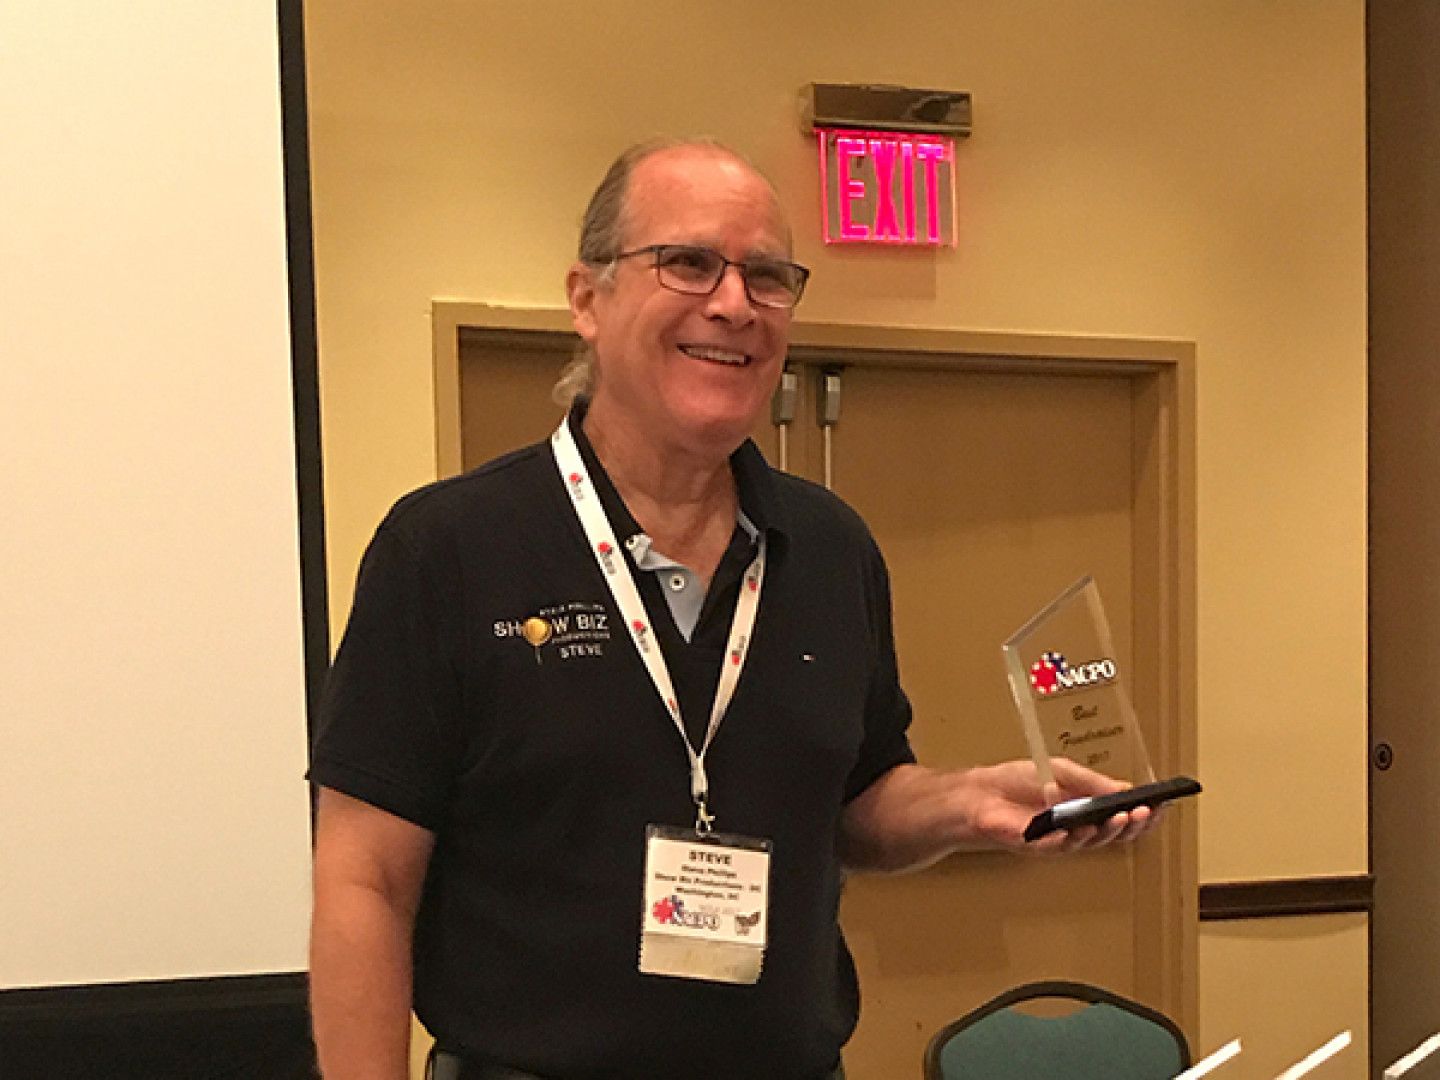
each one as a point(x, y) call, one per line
point(887, 187)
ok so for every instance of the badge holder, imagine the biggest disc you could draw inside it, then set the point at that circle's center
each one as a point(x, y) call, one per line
point(706, 905)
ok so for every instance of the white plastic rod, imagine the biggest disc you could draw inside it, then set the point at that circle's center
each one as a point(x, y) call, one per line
point(1319, 1057)
point(1212, 1062)
point(1413, 1058)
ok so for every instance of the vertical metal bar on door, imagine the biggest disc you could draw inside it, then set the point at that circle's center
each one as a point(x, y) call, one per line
point(782, 414)
point(829, 416)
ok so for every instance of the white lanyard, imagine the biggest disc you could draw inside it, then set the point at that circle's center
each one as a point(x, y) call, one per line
point(601, 538)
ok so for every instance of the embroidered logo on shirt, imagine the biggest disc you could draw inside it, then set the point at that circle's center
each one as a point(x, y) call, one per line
point(564, 631)
point(537, 632)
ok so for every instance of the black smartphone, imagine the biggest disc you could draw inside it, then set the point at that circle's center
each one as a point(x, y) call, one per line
point(1096, 808)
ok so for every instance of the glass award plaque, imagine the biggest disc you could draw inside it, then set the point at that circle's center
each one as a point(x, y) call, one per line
point(1071, 692)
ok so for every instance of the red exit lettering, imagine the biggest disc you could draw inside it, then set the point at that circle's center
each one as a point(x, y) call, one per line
point(887, 187)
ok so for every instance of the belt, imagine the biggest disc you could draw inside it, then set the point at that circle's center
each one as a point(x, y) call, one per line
point(447, 1066)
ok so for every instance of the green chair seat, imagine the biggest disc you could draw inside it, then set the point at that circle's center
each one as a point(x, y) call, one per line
point(1107, 1038)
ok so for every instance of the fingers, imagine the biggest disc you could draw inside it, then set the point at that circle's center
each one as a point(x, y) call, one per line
point(1119, 829)
point(1063, 841)
point(1076, 780)
point(1073, 780)
point(1093, 836)
point(1142, 820)
point(1126, 827)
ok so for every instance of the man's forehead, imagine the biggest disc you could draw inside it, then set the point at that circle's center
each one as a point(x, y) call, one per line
point(696, 192)
point(694, 157)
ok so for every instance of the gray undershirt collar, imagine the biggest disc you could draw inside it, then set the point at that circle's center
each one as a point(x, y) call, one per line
point(680, 585)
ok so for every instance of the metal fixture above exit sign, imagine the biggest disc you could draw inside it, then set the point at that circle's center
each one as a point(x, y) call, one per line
point(887, 161)
point(886, 108)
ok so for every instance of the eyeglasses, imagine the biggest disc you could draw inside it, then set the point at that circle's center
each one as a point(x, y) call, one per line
point(698, 271)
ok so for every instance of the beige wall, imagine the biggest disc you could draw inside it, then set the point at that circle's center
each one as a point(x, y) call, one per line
point(1302, 995)
point(153, 816)
point(1157, 169)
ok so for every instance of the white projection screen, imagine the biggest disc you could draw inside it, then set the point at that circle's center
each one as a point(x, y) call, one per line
point(153, 813)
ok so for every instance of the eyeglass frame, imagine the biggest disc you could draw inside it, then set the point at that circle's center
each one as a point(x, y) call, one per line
point(742, 265)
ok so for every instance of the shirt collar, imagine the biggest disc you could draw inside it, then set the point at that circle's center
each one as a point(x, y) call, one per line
point(760, 509)
point(646, 558)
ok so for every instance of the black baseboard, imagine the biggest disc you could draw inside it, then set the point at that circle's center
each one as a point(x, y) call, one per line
point(245, 1027)
point(1287, 897)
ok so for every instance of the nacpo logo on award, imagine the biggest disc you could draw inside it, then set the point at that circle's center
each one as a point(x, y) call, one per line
point(1052, 674)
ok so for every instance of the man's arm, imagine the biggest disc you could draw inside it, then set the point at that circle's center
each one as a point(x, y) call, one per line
point(913, 816)
point(369, 870)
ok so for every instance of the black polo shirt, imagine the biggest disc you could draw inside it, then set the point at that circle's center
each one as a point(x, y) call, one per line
point(539, 760)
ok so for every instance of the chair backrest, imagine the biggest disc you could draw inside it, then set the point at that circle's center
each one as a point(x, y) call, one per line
point(1107, 1038)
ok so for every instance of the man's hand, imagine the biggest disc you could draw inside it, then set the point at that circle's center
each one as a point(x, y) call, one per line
point(1005, 798)
point(913, 816)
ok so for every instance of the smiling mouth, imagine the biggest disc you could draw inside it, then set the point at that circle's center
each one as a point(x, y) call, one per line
point(716, 355)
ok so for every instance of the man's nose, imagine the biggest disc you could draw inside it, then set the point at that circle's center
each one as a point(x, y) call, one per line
point(730, 300)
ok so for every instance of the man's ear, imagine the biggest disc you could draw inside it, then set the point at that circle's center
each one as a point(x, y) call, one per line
point(582, 291)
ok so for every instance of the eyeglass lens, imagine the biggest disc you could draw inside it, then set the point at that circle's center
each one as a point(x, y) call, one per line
point(699, 270)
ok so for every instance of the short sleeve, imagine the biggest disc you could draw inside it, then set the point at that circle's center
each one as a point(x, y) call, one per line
point(390, 731)
point(887, 709)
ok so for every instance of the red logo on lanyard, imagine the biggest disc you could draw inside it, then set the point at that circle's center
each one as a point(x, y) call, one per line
point(738, 652)
point(606, 552)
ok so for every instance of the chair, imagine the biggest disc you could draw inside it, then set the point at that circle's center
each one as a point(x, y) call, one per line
point(1107, 1038)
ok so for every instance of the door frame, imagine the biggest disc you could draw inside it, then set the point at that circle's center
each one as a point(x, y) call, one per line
point(1162, 376)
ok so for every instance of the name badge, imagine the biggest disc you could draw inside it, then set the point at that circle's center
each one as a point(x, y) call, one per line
point(706, 904)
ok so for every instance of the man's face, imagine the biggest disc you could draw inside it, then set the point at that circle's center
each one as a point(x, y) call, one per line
point(689, 371)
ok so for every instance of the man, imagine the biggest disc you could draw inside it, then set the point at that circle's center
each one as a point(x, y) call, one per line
point(572, 672)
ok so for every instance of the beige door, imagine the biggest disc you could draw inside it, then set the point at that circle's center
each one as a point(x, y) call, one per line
point(1403, 107)
point(989, 492)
